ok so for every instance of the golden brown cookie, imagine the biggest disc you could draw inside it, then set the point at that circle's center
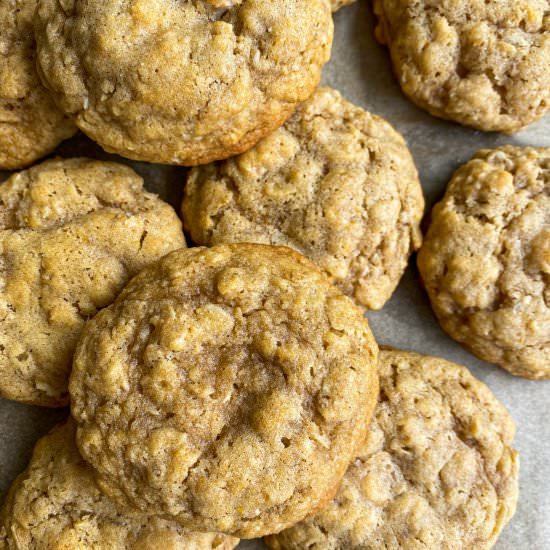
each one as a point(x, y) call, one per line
point(437, 470)
point(186, 84)
point(228, 387)
point(72, 232)
point(30, 124)
point(55, 504)
point(484, 64)
point(486, 259)
point(335, 183)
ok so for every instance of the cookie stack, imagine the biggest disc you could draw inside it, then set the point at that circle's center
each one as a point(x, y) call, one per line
point(234, 389)
point(228, 389)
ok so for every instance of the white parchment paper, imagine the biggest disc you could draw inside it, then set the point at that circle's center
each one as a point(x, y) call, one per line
point(360, 69)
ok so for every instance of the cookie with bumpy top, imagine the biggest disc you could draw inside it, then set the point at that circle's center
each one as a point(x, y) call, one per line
point(55, 504)
point(228, 387)
point(72, 233)
point(484, 64)
point(486, 259)
point(186, 83)
point(436, 471)
point(30, 124)
point(335, 183)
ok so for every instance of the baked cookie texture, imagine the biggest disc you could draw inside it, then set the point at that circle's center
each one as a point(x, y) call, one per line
point(72, 233)
point(30, 124)
point(484, 64)
point(335, 183)
point(228, 387)
point(186, 83)
point(486, 259)
point(436, 471)
point(55, 504)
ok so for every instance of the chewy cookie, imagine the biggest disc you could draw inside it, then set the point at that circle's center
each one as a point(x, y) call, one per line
point(335, 183)
point(229, 387)
point(436, 469)
point(30, 124)
point(72, 232)
point(486, 259)
point(55, 504)
point(484, 64)
point(186, 84)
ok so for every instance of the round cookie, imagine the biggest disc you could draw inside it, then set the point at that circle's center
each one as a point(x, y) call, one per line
point(30, 124)
point(55, 504)
point(228, 387)
point(186, 84)
point(335, 183)
point(72, 233)
point(484, 64)
point(486, 259)
point(436, 471)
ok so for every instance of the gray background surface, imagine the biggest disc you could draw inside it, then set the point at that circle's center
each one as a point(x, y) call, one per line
point(360, 69)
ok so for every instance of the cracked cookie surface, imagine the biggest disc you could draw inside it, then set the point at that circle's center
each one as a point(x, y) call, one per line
point(484, 64)
point(436, 471)
point(228, 387)
point(187, 83)
point(486, 259)
point(30, 124)
point(55, 504)
point(72, 233)
point(336, 183)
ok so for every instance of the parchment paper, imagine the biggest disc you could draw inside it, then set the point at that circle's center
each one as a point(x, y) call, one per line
point(360, 69)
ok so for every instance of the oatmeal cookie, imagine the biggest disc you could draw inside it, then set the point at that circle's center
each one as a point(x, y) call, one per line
point(335, 183)
point(228, 387)
point(30, 124)
point(55, 504)
point(186, 83)
point(436, 471)
point(72, 233)
point(486, 259)
point(484, 64)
